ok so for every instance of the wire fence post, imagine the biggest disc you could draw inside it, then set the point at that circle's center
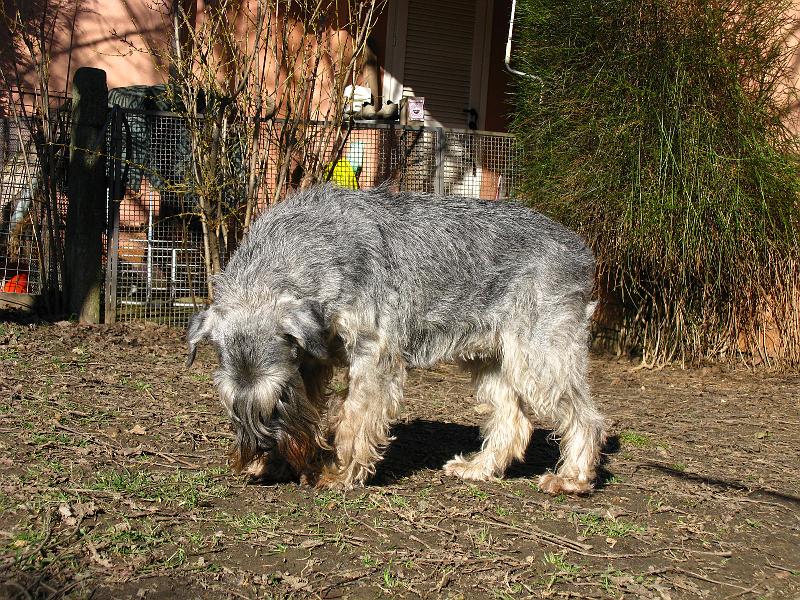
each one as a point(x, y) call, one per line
point(116, 192)
point(87, 196)
point(440, 145)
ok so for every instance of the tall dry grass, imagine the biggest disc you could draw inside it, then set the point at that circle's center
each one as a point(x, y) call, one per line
point(660, 130)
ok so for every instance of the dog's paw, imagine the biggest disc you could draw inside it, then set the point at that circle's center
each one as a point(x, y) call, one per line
point(556, 484)
point(473, 470)
point(334, 479)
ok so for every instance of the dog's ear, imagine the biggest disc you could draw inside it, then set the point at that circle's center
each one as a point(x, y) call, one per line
point(200, 327)
point(304, 324)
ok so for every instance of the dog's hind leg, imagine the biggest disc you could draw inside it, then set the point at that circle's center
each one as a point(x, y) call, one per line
point(362, 425)
point(549, 372)
point(506, 432)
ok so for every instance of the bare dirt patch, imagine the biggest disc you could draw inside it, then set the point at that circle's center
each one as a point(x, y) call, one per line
point(113, 484)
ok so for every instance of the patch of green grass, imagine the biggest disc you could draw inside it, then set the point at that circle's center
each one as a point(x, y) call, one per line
point(424, 493)
point(58, 439)
point(129, 538)
point(390, 580)
point(22, 541)
point(754, 523)
point(477, 492)
point(331, 500)
point(141, 385)
point(607, 581)
point(679, 467)
point(197, 540)
point(60, 363)
point(6, 502)
point(513, 590)
point(593, 525)
point(196, 487)
point(563, 569)
point(186, 488)
point(483, 537)
point(251, 523)
point(634, 439)
point(368, 561)
point(399, 501)
point(9, 354)
point(175, 560)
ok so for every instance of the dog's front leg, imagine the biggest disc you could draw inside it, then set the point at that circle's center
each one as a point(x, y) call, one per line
point(362, 426)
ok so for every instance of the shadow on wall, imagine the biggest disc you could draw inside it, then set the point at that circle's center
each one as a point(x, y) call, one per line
point(123, 38)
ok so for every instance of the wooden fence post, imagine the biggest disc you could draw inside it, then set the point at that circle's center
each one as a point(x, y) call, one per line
point(87, 195)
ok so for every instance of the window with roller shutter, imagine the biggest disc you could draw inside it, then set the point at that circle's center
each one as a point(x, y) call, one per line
point(438, 50)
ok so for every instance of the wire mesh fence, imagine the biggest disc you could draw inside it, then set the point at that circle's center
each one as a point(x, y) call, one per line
point(159, 268)
point(162, 274)
point(33, 160)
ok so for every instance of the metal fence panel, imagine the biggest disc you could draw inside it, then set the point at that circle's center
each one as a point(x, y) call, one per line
point(160, 269)
point(22, 194)
point(161, 273)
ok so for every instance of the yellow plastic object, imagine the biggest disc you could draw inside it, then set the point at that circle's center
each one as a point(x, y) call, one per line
point(344, 175)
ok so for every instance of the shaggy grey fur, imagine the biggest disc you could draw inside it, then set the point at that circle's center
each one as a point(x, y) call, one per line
point(378, 282)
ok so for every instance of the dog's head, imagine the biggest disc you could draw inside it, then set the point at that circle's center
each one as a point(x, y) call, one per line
point(261, 356)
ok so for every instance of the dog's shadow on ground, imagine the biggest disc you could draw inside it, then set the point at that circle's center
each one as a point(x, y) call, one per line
point(421, 444)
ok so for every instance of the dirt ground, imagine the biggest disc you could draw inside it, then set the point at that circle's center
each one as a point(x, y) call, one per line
point(113, 484)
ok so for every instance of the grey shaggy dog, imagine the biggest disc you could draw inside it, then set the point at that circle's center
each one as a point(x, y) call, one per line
point(379, 282)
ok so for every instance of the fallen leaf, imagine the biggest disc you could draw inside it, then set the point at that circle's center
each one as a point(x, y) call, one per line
point(95, 556)
point(296, 583)
point(66, 514)
point(86, 509)
point(137, 430)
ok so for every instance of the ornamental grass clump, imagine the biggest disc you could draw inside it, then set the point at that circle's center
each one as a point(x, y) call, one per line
point(662, 131)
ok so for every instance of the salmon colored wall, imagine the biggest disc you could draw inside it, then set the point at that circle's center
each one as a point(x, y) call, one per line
point(120, 36)
point(128, 38)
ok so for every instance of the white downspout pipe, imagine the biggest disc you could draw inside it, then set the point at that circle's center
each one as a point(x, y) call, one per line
point(507, 61)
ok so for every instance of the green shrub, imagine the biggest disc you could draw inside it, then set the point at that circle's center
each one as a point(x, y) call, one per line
point(658, 129)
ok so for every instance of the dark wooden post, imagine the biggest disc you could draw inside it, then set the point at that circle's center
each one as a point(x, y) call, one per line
point(87, 195)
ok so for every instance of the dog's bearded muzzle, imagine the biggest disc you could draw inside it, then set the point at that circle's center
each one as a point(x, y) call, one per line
point(278, 436)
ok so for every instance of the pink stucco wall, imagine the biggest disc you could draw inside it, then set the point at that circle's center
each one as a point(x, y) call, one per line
point(123, 37)
point(129, 39)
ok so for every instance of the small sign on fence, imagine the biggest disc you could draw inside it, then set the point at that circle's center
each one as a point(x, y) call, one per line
point(416, 108)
